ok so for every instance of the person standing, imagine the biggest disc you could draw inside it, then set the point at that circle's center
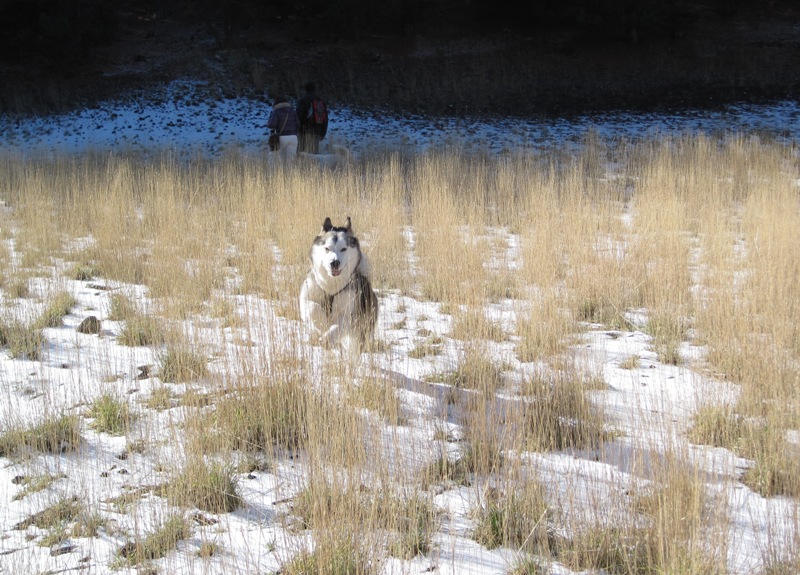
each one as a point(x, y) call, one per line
point(312, 112)
point(284, 122)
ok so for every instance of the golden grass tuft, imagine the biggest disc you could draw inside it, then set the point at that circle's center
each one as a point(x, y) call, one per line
point(141, 330)
point(561, 414)
point(475, 324)
point(179, 363)
point(110, 415)
point(57, 306)
point(265, 412)
point(24, 341)
point(155, 544)
point(545, 330)
point(209, 487)
point(517, 517)
point(65, 510)
point(56, 434)
point(335, 553)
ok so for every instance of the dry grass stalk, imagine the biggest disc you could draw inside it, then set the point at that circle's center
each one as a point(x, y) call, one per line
point(699, 234)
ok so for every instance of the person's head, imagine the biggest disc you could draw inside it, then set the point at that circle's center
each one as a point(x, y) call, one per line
point(310, 87)
point(281, 99)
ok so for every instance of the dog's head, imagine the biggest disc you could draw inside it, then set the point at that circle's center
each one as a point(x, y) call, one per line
point(335, 251)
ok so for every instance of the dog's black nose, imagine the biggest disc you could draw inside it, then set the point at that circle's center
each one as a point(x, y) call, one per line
point(335, 265)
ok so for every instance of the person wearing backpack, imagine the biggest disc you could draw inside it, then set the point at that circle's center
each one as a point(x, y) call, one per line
point(283, 122)
point(313, 114)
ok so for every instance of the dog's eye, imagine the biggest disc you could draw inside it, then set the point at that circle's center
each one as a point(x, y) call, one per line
point(327, 249)
point(343, 250)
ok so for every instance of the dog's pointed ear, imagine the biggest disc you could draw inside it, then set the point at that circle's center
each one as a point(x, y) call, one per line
point(347, 224)
point(326, 225)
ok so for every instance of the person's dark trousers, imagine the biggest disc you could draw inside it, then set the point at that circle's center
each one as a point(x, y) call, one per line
point(309, 143)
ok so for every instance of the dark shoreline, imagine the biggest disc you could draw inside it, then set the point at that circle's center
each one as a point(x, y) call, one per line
point(556, 73)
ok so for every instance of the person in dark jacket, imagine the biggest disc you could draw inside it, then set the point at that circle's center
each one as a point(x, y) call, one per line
point(284, 122)
point(311, 132)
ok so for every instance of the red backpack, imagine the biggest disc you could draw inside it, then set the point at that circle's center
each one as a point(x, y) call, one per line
point(317, 112)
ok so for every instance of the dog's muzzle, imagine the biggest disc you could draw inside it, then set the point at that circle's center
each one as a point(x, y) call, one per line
point(335, 271)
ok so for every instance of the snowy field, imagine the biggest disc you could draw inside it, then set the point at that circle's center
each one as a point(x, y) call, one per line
point(650, 404)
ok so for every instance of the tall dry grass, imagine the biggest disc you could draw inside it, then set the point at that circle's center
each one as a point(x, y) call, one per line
point(697, 235)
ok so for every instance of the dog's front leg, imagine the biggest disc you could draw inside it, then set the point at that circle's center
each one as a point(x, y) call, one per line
point(331, 337)
point(315, 317)
point(313, 314)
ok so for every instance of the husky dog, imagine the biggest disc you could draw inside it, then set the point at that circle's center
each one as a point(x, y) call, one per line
point(336, 300)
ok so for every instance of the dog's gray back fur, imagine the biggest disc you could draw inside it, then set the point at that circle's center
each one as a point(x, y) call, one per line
point(366, 309)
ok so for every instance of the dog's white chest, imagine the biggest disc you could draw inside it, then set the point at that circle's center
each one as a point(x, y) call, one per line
point(324, 310)
point(342, 308)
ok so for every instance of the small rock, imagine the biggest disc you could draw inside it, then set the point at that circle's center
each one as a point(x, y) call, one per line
point(127, 550)
point(204, 520)
point(62, 549)
point(89, 325)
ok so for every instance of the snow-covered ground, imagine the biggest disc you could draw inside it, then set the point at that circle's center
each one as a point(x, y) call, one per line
point(650, 404)
point(183, 118)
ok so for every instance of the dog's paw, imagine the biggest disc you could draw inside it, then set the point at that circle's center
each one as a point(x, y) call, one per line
point(330, 338)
